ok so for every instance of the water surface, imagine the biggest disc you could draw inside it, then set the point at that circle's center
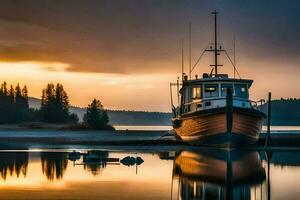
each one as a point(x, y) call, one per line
point(184, 174)
point(275, 129)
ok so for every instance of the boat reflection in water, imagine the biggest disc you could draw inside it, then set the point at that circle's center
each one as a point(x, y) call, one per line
point(215, 175)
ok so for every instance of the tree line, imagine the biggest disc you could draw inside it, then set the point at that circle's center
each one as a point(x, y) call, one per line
point(285, 112)
point(14, 105)
point(55, 104)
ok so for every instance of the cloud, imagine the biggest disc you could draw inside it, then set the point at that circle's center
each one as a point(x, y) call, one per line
point(130, 37)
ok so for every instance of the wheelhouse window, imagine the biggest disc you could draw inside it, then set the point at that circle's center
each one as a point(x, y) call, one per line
point(211, 90)
point(241, 91)
point(224, 88)
point(196, 92)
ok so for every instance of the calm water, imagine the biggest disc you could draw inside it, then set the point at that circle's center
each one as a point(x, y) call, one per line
point(274, 129)
point(185, 174)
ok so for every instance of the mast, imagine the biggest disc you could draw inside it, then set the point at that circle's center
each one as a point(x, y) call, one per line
point(216, 50)
point(190, 50)
point(234, 54)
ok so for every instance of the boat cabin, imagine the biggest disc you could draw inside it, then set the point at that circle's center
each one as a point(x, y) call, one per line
point(211, 92)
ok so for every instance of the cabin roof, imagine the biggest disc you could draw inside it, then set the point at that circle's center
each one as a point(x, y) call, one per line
point(217, 79)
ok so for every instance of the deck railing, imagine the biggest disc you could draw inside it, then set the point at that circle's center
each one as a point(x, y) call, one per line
point(207, 103)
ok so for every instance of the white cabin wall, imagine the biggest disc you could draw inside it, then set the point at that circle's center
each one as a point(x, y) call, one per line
point(192, 105)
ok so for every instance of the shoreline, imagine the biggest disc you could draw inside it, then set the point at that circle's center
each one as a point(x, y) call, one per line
point(22, 139)
point(32, 135)
point(41, 126)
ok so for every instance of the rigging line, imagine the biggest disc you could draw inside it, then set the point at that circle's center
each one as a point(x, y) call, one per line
point(171, 93)
point(234, 53)
point(198, 60)
point(178, 91)
point(233, 64)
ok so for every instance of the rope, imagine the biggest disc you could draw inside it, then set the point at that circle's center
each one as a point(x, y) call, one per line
point(167, 133)
point(198, 60)
point(232, 64)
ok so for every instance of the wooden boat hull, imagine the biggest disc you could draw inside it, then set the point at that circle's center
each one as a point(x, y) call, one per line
point(210, 127)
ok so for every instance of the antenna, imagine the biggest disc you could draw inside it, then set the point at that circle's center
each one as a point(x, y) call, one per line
point(178, 90)
point(190, 50)
point(182, 61)
point(216, 50)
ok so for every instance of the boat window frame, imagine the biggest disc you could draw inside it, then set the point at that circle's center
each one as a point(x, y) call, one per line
point(227, 83)
point(192, 87)
point(211, 97)
point(247, 91)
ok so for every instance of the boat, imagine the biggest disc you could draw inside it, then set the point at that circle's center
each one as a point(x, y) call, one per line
point(217, 174)
point(215, 109)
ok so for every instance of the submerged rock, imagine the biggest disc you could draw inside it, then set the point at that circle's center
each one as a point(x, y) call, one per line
point(129, 161)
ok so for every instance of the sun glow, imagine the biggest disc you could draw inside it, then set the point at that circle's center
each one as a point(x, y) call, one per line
point(11, 68)
point(148, 92)
point(116, 91)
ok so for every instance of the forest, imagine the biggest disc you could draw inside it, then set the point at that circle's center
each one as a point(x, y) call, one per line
point(14, 106)
point(54, 108)
point(285, 112)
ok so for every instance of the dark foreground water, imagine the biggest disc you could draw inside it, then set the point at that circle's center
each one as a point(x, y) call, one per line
point(186, 174)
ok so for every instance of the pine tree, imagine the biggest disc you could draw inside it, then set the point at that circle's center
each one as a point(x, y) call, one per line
point(96, 117)
point(50, 94)
point(18, 96)
point(62, 103)
point(55, 105)
point(11, 94)
point(21, 103)
point(25, 104)
point(5, 111)
point(18, 104)
point(43, 100)
point(2, 106)
point(12, 104)
point(48, 104)
point(5, 89)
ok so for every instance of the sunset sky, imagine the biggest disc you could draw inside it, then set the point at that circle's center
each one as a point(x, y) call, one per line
point(126, 52)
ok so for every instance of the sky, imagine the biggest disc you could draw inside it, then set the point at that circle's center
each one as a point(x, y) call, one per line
point(125, 52)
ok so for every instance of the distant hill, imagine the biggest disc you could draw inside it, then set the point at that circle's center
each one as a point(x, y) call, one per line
point(285, 112)
point(139, 118)
point(120, 117)
point(34, 102)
